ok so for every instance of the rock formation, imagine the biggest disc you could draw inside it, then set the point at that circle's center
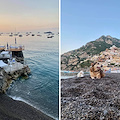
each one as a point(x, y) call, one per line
point(7, 78)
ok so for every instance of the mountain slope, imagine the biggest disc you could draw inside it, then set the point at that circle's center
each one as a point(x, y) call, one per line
point(72, 60)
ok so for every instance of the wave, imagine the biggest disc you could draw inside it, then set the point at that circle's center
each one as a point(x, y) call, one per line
point(23, 100)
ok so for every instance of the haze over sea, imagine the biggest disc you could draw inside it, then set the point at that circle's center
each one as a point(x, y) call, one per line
point(42, 56)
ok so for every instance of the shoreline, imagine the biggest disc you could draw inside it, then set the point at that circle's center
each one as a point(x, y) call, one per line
point(16, 110)
point(24, 101)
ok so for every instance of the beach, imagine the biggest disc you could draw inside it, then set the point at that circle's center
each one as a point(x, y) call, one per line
point(87, 99)
point(16, 110)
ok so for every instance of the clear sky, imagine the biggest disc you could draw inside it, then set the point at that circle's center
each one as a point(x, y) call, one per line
point(86, 20)
point(28, 15)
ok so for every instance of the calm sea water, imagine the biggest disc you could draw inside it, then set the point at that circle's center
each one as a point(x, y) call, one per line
point(41, 89)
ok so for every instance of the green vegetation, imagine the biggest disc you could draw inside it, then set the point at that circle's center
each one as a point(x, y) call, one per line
point(86, 64)
point(82, 59)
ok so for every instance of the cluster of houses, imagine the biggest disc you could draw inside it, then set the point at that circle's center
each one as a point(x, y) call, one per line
point(109, 59)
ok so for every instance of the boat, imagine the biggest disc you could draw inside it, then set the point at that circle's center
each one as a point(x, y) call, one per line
point(20, 35)
point(10, 35)
point(48, 32)
point(33, 34)
point(50, 36)
point(39, 35)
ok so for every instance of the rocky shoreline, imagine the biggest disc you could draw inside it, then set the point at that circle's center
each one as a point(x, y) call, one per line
point(16, 110)
point(7, 78)
point(87, 99)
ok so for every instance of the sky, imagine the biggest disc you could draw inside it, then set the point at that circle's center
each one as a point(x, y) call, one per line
point(27, 15)
point(83, 21)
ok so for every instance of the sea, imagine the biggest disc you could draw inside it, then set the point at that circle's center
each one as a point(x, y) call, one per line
point(41, 89)
point(70, 74)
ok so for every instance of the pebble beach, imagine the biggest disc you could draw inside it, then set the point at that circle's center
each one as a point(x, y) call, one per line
point(87, 99)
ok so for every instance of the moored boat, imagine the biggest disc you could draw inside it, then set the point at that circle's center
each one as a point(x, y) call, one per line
point(20, 35)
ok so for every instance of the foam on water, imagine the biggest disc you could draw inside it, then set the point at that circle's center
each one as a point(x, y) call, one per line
point(21, 99)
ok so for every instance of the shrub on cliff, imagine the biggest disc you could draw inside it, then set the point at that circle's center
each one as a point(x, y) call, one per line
point(86, 63)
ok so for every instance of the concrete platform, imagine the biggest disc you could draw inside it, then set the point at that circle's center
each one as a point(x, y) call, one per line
point(14, 67)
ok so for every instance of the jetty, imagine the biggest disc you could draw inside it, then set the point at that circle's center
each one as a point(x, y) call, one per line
point(12, 65)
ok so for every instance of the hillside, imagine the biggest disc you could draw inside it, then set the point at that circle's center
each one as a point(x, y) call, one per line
point(73, 60)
